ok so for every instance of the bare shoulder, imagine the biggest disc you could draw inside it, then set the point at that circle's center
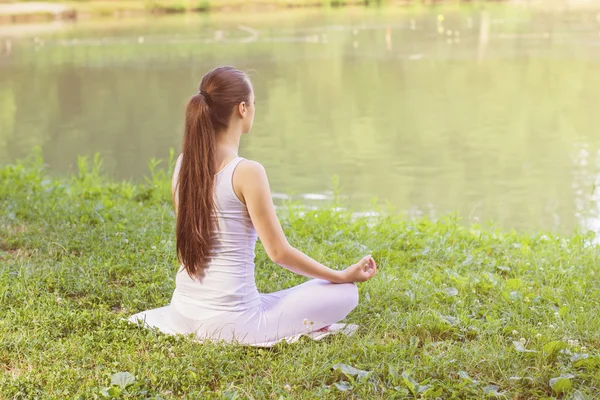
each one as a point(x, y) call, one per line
point(250, 180)
point(251, 171)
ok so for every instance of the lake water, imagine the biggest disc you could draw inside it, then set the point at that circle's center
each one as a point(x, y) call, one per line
point(492, 114)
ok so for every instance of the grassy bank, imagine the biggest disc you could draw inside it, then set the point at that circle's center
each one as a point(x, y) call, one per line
point(454, 311)
point(107, 7)
point(74, 9)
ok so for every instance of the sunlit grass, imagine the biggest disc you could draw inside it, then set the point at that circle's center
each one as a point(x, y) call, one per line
point(454, 311)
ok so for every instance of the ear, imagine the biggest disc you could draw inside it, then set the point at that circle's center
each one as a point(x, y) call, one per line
point(242, 108)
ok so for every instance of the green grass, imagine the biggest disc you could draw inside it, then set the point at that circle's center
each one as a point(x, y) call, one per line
point(454, 312)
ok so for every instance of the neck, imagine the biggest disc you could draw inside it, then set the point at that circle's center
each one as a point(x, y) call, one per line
point(228, 144)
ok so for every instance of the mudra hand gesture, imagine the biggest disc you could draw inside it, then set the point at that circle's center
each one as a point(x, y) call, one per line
point(362, 271)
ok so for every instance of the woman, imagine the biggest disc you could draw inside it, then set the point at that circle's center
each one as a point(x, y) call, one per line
point(222, 202)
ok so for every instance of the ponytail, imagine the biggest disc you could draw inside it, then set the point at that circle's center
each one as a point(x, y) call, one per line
point(206, 115)
point(196, 202)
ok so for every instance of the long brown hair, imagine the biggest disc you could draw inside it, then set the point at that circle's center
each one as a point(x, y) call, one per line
point(207, 115)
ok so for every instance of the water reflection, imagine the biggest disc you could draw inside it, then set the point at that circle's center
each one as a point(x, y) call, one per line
point(592, 222)
point(586, 186)
point(474, 113)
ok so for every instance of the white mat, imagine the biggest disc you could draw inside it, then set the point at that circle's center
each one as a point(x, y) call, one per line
point(159, 318)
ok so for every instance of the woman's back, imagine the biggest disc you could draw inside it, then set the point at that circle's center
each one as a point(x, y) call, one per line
point(228, 283)
point(216, 235)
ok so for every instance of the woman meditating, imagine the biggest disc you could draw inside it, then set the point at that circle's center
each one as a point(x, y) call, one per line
point(222, 202)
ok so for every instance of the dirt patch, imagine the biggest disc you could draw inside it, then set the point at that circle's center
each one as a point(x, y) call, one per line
point(11, 253)
point(13, 370)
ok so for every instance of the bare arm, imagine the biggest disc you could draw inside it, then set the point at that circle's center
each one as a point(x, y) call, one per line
point(250, 180)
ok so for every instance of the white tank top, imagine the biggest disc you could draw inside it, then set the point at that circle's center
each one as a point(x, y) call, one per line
point(228, 284)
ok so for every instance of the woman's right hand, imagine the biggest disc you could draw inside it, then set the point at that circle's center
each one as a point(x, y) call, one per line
point(362, 271)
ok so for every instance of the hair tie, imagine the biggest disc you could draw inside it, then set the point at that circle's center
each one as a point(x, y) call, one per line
point(206, 96)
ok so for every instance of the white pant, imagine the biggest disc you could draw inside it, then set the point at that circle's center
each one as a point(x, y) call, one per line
point(300, 309)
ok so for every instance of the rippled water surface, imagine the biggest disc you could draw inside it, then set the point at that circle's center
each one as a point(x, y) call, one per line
point(493, 114)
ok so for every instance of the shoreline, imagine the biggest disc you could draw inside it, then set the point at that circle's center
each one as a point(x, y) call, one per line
point(16, 12)
point(26, 12)
point(13, 12)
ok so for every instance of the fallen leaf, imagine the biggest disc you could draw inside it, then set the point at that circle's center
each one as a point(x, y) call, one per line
point(123, 379)
point(349, 370)
point(521, 348)
point(343, 386)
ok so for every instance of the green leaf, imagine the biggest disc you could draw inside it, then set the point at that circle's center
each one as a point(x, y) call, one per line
point(114, 391)
point(514, 283)
point(577, 395)
point(562, 383)
point(122, 379)
point(520, 347)
point(410, 383)
point(554, 347)
point(585, 361)
point(423, 388)
point(563, 311)
point(343, 386)
point(521, 378)
point(349, 370)
point(578, 356)
point(432, 392)
point(492, 391)
point(231, 395)
point(402, 391)
point(449, 319)
point(464, 375)
point(393, 372)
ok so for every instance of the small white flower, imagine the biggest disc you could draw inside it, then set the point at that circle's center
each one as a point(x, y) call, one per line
point(515, 332)
point(305, 321)
point(538, 335)
point(539, 324)
point(288, 388)
point(153, 247)
point(583, 348)
point(551, 326)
